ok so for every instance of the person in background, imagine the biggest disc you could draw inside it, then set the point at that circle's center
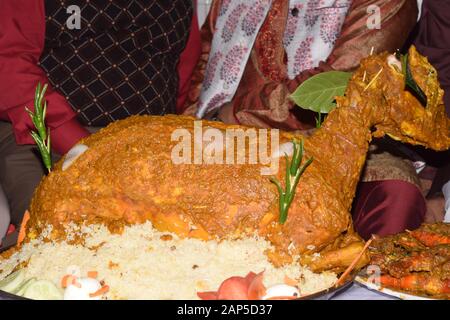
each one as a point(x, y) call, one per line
point(256, 53)
point(432, 39)
point(127, 58)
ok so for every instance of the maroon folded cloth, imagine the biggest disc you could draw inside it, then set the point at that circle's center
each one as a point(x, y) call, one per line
point(387, 207)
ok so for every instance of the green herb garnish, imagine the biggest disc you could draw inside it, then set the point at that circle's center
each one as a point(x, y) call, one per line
point(410, 82)
point(319, 120)
point(294, 170)
point(41, 137)
point(318, 92)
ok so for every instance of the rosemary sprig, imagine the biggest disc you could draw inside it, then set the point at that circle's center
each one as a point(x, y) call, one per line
point(41, 137)
point(294, 170)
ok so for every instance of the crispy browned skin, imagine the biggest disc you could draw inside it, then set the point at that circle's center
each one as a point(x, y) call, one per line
point(127, 175)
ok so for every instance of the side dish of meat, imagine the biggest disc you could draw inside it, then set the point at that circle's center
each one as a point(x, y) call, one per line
point(415, 261)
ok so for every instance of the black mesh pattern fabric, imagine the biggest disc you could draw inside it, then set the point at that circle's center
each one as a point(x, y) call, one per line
point(123, 59)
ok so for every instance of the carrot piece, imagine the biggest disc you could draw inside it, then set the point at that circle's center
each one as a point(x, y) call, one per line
point(67, 280)
point(290, 282)
point(23, 225)
point(430, 239)
point(409, 282)
point(207, 295)
point(99, 292)
point(417, 282)
point(92, 274)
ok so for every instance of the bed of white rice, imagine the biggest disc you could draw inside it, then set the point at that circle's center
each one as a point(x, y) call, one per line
point(142, 264)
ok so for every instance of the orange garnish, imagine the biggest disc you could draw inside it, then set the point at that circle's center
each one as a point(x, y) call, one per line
point(256, 288)
point(99, 292)
point(67, 280)
point(92, 274)
point(290, 282)
point(23, 225)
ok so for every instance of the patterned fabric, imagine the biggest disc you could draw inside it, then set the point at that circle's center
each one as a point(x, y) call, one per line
point(310, 32)
point(123, 59)
point(385, 166)
point(237, 27)
point(312, 29)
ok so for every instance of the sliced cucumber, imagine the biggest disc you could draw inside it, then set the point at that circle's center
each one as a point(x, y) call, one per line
point(21, 290)
point(42, 290)
point(13, 282)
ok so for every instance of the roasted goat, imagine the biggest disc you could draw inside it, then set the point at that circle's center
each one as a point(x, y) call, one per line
point(127, 176)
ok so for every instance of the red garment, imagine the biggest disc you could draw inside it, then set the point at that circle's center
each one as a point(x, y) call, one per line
point(22, 34)
point(188, 61)
point(387, 207)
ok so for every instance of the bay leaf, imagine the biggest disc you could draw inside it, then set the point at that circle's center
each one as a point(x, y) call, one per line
point(318, 92)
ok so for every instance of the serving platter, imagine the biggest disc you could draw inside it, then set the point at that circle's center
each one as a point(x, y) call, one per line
point(390, 292)
point(326, 294)
point(8, 296)
point(329, 293)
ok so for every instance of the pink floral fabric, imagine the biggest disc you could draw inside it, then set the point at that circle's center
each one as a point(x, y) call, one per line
point(213, 63)
point(311, 30)
point(252, 17)
point(232, 22)
point(303, 59)
point(231, 67)
point(237, 26)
